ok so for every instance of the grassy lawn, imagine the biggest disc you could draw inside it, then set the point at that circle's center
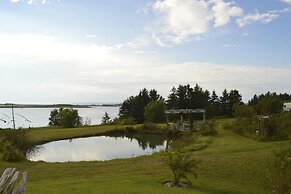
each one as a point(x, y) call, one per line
point(43, 135)
point(230, 164)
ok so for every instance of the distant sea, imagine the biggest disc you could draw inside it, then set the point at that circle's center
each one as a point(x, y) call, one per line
point(38, 117)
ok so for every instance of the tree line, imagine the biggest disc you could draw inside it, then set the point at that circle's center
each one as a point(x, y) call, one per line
point(150, 105)
point(184, 96)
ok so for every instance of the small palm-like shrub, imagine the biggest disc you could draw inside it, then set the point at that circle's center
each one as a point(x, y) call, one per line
point(181, 166)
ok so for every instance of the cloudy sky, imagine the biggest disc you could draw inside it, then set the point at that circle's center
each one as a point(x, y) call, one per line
point(72, 51)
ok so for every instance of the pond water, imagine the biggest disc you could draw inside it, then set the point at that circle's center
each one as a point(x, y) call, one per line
point(39, 117)
point(97, 148)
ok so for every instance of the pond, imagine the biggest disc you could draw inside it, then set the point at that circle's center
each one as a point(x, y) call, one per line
point(97, 148)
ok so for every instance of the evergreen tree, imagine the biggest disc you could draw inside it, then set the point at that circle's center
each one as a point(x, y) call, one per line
point(155, 112)
point(134, 106)
point(67, 117)
point(186, 97)
point(172, 102)
point(223, 106)
point(105, 118)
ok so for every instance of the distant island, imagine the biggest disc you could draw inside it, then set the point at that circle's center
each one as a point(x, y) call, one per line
point(9, 105)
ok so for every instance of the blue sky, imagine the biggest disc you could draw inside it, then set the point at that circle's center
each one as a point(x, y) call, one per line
point(72, 51)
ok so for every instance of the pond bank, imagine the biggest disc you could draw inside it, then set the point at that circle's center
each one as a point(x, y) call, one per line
point(39, 136)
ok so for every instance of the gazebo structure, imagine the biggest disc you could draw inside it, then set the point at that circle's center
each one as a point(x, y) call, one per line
point(184, 124)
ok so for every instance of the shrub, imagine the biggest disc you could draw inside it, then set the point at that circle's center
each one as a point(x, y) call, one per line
point(208, 128)
point(11, 153)
point(67, 117)
point(124, 121)
point(273, 127)
point(18, 138)
point(243, 111)
point(155, 112)
point(281, 171)
point(283, 125)
point(152, 127)
point(105, 118)
point(181, 165)
point(55, 117)
point(245, 126)
point(130, 129)
point(269, 105)
point(87, 122)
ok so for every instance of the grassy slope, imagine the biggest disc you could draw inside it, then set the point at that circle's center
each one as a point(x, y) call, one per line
point(231, 164)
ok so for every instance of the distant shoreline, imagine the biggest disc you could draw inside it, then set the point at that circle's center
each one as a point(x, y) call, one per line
point(56, 105)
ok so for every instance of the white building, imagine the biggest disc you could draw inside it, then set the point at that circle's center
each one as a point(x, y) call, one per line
point(287, 106)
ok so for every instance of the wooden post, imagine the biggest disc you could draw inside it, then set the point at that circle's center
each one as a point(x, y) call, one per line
point(13, 118)
point(181, 118)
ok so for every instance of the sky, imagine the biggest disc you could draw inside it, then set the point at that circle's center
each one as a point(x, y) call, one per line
point(103, 51)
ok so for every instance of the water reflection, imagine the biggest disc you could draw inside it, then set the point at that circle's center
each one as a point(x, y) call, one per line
point(98, 148)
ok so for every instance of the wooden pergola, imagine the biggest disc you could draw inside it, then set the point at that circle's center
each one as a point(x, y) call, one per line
point(182, 112)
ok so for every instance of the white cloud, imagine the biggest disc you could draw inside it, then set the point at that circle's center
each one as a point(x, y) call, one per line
point(91, 35)
point(136, 43)
point(257, 17)
point(287, 1)
point(48, 70)
point(260, 17)
point(158, 41)
point(180, 21)
point(223, 11)
point(34, 1)
point(231, 45)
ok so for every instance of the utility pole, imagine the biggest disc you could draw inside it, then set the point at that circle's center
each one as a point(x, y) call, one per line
point(13, 119)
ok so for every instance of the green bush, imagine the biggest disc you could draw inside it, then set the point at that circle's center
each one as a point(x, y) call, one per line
point(243, 111)
point(67, 117)
point(181, 165)
point(130, 129)
point(207, 128)
point(281, 171)
point(18, 138)
point(11, 153)
point(245, 126)
point(105, 118)
point(124, 121)
point(152, 127)
point(283, 125)
point(274, 127)
point(269, 105)
point(155, 112)
point(15, 145)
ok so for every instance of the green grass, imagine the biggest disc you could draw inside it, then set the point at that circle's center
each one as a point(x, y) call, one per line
point(43, 135)
point(229, 164)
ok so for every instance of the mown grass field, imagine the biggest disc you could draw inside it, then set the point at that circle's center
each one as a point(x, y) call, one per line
point(230, 164)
